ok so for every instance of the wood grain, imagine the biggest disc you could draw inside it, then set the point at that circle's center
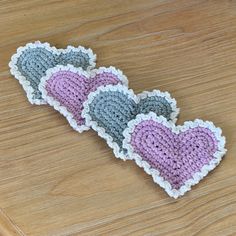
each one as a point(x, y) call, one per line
point(56, 182)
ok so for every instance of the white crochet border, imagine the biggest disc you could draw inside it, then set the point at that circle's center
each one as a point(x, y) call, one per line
point(175, 129)
point(89, 74)
point(37, 44)
point(102, 132)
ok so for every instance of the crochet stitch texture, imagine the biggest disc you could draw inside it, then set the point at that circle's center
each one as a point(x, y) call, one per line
point(66, 88)
point(137, 127)
point(108, 110)
point(31, 62)
point(177, 157)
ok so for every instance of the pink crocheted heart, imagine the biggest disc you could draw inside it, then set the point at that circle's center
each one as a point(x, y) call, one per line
point(66, 88)
point(177, 157)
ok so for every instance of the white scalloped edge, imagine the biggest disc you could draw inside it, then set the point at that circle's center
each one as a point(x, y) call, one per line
point(37, 44)
point(136, 98)
point(88, 74)
point(175, 129)
point(175, 111)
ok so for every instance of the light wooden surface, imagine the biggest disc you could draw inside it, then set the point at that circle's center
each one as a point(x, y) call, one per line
point(56, 182)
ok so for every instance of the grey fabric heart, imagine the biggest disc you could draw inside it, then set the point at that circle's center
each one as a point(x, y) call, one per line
point(31, 62)
point(109, 109)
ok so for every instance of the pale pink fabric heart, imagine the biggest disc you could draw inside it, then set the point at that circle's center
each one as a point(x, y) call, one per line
point(66, 88)
point(177, 157)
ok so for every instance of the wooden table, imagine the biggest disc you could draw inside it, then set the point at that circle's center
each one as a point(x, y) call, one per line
point(55, 181)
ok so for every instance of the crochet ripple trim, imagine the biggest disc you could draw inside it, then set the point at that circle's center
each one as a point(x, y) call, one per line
point(109, 109)
point(30, 63)
point(66, 88)
point(177, 157)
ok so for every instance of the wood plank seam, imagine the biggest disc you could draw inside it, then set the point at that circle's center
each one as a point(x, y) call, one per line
point(8, 227)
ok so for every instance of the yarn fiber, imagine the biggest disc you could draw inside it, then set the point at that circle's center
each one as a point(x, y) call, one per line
point(177, 157)
point(69, 87)
point(33, 60)
point(112, 110)
point(137, 127)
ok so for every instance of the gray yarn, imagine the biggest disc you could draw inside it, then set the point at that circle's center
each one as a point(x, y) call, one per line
point(112, 110)
point(34, 62)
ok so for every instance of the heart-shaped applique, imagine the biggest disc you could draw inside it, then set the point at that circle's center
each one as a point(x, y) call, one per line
point(108, 111)
point(31, 62)
point(177, 157)
point(66, 88)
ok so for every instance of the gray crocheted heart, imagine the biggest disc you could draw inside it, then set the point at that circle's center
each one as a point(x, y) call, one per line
point(31, 62)
point(109, 109)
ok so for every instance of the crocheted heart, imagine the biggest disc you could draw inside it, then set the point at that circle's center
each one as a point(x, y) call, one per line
point(177, 157)
point(31, 62)
point(108, 111)
point(66, 88)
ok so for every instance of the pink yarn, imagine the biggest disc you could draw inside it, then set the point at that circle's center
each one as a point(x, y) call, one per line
point(176, 156)
point(71, 89)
